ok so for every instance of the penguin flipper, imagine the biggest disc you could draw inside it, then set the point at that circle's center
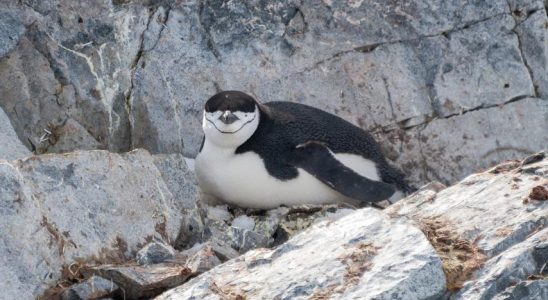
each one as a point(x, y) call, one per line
point(315, 158)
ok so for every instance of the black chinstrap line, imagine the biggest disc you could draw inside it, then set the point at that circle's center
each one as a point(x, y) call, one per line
point(230, 132)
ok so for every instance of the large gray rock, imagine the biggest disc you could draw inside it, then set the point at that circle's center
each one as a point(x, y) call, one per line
point(533, 289)
point(533, 37)
point(491, 222)
point(451, 148)
point(166, 105)
point(73, 61)
point(80, 207)
point(500, 274)
point(304, 52)
point(12, 30)
point(11, 148)
point(178, 177)
point(137, 73)
point(490, 208)
point(363, 255)
point(482, 66)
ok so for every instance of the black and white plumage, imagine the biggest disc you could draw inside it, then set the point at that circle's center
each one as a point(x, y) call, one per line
point(283, 153)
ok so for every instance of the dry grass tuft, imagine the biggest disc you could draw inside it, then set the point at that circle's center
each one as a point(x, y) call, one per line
point(226, 293)
point(357, 262)
point(460, 257)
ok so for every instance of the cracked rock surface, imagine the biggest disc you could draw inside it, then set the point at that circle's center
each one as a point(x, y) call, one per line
point(360, 255)
point(121, 75)
point(67, 217)
point(448, 88)
point(58, 208)
point(12, 148)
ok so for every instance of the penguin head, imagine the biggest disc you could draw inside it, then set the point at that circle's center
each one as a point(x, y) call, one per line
point(230, 118)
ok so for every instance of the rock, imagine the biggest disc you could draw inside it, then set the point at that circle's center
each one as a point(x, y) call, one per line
point(154, 253)
point(115, 68)
point(93, 288)
point(536, 289)
point(243, 222)
point(312, 53)
point(203, 260)
point(487, 49)
point(169, 115)
point(509, 221)
point(71, 136)
point(89, 206)
point(138, 282)
point(380, 97)
point(488, 231)
point(12, 30)
point(361, 254)
point(504, 271)
point(522, 8)
point(483, 141)
point(192, 229)
point(243, 240)
point(533, 38)
point(180, 180)
point(222, 250)
point(219, 213)
point(242, 230)
point(12, 148)
point(74, 60)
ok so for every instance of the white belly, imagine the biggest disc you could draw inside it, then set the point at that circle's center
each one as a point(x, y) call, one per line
point(242, 180)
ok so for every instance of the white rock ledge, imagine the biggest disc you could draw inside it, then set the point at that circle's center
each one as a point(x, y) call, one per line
point(364, 255)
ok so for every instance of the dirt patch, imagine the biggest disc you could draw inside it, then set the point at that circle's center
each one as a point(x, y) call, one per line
point(161, 229)
point(357, 262)
point(504, 167)
point(539, 192)
point(460, 257)
point(61, 239)
point(226, 293)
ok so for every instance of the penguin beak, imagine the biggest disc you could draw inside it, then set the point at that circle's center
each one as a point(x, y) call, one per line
point(228, 117)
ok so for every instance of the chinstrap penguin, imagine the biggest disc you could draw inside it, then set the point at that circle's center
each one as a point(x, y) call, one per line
point(282, 153)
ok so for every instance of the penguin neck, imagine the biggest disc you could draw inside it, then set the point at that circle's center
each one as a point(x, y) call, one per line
point(217, 150)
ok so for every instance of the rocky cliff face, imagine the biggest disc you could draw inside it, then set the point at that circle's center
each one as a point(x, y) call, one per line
point(447, 87)
point(96, 224)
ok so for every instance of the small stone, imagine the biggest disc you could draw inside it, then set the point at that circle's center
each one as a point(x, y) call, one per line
point(138, 282)
point(154, 253)
point(94, 287)
point(533, 158)
point(243, 222)
point(218, 213)
point(223, 251)
point(203, 260)
point(244, 240)
point(191, 229)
